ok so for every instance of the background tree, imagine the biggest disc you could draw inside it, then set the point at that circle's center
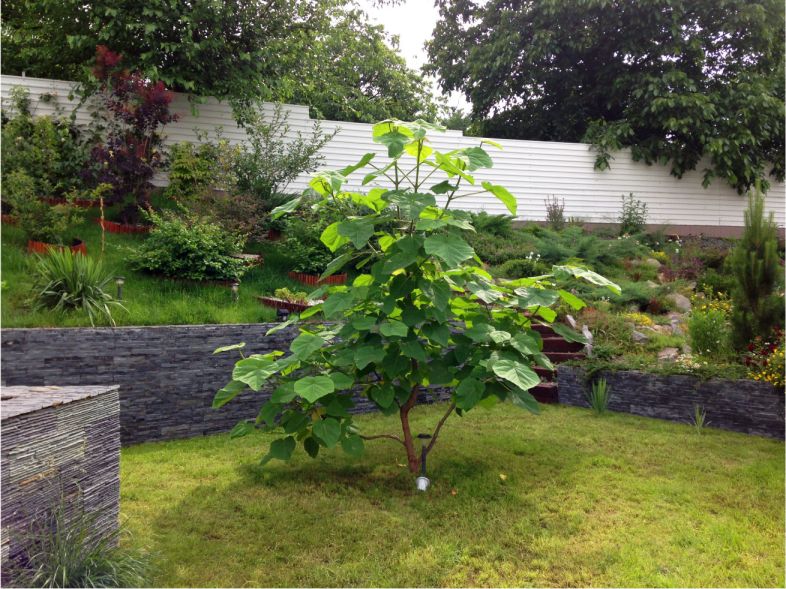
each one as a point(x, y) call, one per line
point(673, 80)
point(323, 53)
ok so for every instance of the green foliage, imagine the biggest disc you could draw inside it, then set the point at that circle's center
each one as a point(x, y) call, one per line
point(67, 281)
point(498, 225)
point(421, 312)
point(292, 297)
point(39, 220)
point(303, 245)
point(699, 419)
point(633, 216)
point(522, 267)
point(662, 81)
point(196, 168)
point(181, 246)
point(598, 396)
point(757, 307)
point(63, 552)
point(51, 150)
point(710, 334)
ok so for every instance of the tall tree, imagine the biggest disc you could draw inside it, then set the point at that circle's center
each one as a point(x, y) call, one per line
point(323, 53)
point(675, 80)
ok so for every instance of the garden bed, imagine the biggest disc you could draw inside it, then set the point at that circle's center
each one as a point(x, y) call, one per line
point(737, 405)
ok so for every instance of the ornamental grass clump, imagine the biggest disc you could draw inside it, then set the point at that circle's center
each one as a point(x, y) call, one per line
point(421, 311)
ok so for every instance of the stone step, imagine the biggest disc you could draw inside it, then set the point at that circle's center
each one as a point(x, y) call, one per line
point(543, 329)
point(544, 373)
point(557, 357)
point(558, 344)
point(545, 392)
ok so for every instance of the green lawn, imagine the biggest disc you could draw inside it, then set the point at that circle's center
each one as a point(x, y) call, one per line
point(149, 300)
point(587, 501)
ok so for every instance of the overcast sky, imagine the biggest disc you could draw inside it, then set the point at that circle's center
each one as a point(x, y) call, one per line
point(413, 21)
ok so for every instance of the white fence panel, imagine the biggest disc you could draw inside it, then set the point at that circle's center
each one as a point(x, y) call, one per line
point(531, 170)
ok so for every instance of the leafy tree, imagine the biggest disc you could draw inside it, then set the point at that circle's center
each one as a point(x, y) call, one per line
point(757, 308)
point(675, 81)
point(320, 53)
point(422, 312)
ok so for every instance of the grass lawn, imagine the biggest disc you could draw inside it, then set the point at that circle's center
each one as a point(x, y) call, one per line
point(149, 300)
point(617, 500)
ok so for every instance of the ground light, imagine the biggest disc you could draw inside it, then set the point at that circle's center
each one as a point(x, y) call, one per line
point(120, 281)
point(235, 291)
point(422, 482)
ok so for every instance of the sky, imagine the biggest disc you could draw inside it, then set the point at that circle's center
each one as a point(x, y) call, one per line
point(413, 21)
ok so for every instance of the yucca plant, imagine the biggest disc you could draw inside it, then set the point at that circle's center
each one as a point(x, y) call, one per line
point(67, 281)
point(699, 419)
point(598, 397)
point(62, 551)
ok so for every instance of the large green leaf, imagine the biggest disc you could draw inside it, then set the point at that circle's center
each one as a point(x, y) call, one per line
point(353, 445)
point(476, 157)
point(437, 333)
point(393, 328)
point(567, 333)
point(254, 371)
point(242, 428)
point(313, 388)
point(525, 400)
point(229, 348)
point(468, 393)
point(285, 208)
point(517, 373)
point(306, 344)
point(367, 354)
point(328, 430)
point(413, 349)
point(526, 343)
point(311, 446)
point(358, 231)
point(382, 395)
point(533, 297)
point(229, 392)
point(354, 167)
point(503, 195)
point(336, 264)
point(394, 141)
point(341, 381)
point(563, 272)
point(284, 393)
point(571, 299)
point(332, 238)
point(336, 304)
point(280, 449)
point(450, 248)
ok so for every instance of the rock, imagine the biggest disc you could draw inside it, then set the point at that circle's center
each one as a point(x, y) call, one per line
point(651, 284)
point(639, 337)
point(668, 355)
point(652, 262)
point(680, 301)
point(686, 349)
point(676, 329)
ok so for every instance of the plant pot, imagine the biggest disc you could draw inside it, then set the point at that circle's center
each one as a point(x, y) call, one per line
point(41, 247)
point(9, 219)
point(290, 306)
point(113, 227)
point(313, 279)
point(274, 234)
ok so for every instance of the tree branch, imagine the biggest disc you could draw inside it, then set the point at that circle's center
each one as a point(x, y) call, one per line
point(439, 427)
point(379, 436)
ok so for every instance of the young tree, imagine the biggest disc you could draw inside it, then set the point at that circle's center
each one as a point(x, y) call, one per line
point(675, 81)
point(757, 308)
point(422, 312)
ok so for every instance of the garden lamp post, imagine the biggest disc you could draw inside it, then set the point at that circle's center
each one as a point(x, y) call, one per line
point(422, 482)
point(120, 281)
point(282, 314)
point(235, 291)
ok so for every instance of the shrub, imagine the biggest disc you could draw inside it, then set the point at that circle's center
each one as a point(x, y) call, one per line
point(719, 282)
point(62, 552)
point(633, 217)
point(38, 220)
point(182, 246)
point(598, 397)
point(302, 245)
point(522, 267)
point(709, 333)
point(765, 359)
point(758, 309)
point(293, 297)
point(67, 281)
point(51, 150)
point(499, 225)
point(555, 213)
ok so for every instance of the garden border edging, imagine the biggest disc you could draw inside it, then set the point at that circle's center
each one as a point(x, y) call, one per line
point(745, 406)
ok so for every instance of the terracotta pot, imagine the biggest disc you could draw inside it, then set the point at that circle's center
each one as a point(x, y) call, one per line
point(41, 247)
point(277, 303)
point(9, 219)
point(313, 279)
point(112, 227)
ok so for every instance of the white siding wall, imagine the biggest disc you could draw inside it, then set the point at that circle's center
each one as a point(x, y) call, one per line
point(531, 170)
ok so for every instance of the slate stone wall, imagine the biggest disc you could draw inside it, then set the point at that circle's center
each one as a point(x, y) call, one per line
point(167, 374)
point(738, 405)
point(60, 451)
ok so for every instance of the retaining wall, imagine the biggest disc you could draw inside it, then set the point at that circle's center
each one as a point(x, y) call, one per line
point(168, 375)
point(61, 451)
point(737, 405)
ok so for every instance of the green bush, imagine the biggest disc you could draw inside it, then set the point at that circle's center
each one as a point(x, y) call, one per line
point(710, 335)
point(717, 281)
point(182, 246)
point(499, 225)
point(302, 244)
point(67, 281)
point(48, 149)
point(39, 220)
point(62, 552)
point(757, 308)
point(633, 217)
point(522, 267)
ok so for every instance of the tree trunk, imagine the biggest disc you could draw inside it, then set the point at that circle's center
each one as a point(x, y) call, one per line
point(413, 459)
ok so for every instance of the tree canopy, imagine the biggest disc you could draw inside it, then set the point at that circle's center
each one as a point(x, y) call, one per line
point(675, 80)
point(323, 53)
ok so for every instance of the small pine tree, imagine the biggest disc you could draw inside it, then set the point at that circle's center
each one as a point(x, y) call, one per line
point(757, 270)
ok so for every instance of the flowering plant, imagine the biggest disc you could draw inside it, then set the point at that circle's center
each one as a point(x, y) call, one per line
point(765, 359)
